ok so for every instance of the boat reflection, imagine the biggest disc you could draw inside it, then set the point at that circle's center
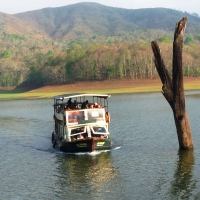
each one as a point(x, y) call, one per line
point(183, 183)
point(78, 172)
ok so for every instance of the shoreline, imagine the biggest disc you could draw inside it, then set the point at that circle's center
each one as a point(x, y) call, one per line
point(122, 86)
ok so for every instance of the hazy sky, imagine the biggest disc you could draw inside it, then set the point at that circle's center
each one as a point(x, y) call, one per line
point(17, 6)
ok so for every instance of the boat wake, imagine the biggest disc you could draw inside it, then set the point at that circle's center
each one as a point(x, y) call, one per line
point(93, 153)
point(116, 148)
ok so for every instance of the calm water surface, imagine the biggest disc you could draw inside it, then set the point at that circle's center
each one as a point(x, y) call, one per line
point(144, 163)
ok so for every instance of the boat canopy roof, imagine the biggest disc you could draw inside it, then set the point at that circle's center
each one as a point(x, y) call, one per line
point(67, 96)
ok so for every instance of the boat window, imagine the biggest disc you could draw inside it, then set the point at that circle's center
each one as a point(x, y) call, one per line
point(97, 114)
point(75, 116)
point(78, 130)
point(99, 132)
point(98, 129)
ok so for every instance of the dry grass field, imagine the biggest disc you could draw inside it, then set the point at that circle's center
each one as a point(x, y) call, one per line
point(103, 87)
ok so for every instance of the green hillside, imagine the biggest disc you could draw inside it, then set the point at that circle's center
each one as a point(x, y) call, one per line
point(92, 20)
point(89, 41)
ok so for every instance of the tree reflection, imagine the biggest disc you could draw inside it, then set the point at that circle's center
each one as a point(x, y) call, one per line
point(183, 184)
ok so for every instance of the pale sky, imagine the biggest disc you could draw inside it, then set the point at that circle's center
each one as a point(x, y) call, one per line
point(18, 6)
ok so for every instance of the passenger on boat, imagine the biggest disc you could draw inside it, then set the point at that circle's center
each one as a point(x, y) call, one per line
point(73, 138)
point(96, 135)
point(99, 135)
point(85, 135)
point(67, 108)
point(80, 137)
point(91, 106)
point(60, 109)
point(75, 105)
point(85, 105)
point(96, 105)
point(69, 103)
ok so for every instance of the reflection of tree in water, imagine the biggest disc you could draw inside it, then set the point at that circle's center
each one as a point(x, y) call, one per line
point(82, 174)
point(182, 184)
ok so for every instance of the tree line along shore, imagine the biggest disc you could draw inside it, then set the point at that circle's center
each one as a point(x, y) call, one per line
point(93, 62)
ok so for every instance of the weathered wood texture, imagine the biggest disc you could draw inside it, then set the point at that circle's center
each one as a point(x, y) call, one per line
point(173, 88)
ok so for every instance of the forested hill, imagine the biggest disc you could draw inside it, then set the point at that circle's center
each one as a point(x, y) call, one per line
point(90, 41)
point(91, 20)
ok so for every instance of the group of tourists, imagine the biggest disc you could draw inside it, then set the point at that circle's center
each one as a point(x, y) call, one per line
point(84, 105)
point(74, 105)
point(87, 105)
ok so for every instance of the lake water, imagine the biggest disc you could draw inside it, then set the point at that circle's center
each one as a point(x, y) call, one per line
point(144, 163)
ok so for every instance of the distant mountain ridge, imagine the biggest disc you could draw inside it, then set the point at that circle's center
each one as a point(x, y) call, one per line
point(85, 20)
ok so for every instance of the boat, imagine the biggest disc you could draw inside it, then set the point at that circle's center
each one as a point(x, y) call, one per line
point(81, 122)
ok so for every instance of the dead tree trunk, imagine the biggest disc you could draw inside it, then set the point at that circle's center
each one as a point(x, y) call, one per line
point(173, 89)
